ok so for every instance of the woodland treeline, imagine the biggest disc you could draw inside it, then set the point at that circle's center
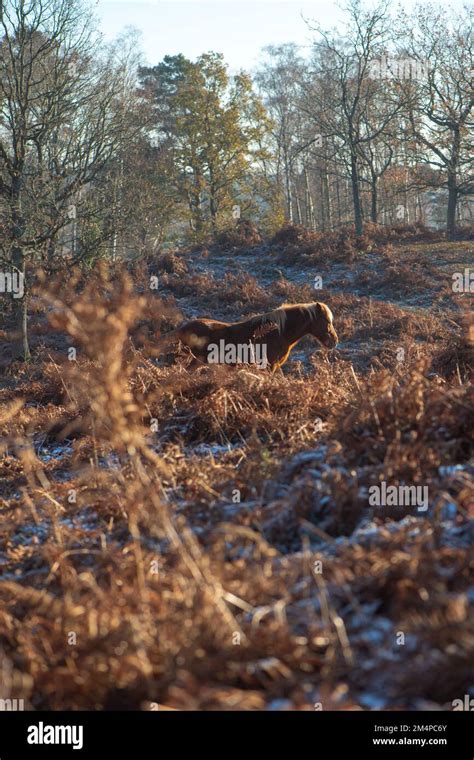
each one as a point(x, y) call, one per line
point(101, 156)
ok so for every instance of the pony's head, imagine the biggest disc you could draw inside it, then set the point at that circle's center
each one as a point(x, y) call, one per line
point(321, 325)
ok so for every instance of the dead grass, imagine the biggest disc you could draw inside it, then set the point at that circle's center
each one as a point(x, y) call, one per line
point(162, 531)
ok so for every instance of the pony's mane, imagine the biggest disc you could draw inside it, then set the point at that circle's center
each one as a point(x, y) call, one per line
point(291, 305)
point(309, 305)
point(277, 318)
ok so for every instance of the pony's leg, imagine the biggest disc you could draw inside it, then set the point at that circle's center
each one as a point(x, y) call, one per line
point(277, 367)
point(281, 361)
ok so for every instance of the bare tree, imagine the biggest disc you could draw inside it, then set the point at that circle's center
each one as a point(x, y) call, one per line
point(61, 120)
point(346, 85)
point(376, 154)
point(441, 99)
point(279, 82)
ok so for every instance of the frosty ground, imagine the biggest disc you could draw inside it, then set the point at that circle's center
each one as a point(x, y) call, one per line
point(205, 540)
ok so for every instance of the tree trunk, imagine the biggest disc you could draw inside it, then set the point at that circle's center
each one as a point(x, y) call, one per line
point(20, 343)
point(356, 195)
point(289, 201)
point(20, 348)
point(373, 200)
point(418, 209)
point(213, 209)
point(452, 186)
point(322, 203)
point(308, 202)
point(299, 216)
point(212, 200)
point(195, 203)
point(452, 204)
point(328, 197)
point(338, 199)
point(24, 324)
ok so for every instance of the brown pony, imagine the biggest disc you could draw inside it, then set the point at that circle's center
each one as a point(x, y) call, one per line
point(272, 335)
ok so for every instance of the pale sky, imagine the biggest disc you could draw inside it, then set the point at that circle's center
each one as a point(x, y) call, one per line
point(237, 28)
